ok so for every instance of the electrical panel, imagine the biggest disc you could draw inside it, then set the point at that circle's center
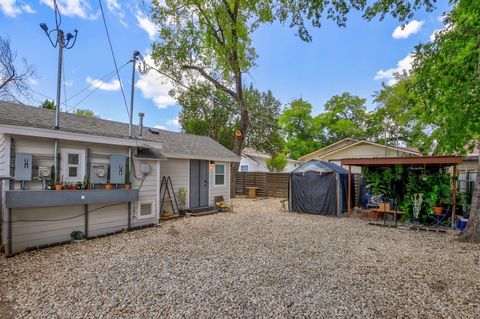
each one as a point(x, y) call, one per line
point(118, 167)
point(98, 173)
point(145, 168)
point(23, 167)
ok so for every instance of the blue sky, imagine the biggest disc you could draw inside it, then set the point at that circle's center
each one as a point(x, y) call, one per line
point(355, 59)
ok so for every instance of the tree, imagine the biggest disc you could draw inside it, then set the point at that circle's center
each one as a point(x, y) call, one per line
point(48, 104)
point(211, 41)
point(446, 79)
point(86, 113)
point(14, 81)
point(277, 163)
point(209, 112)
point(302, 133)
point(345, 116)
point(397, 116)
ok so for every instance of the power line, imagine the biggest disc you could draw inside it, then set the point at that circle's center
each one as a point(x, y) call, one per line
point(113, 56)
point(99, 86)
point(94, 82)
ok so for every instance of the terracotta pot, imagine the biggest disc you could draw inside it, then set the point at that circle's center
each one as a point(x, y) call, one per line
point(438, 210)
point(58, 187)
point(108, 187)
point(128, 186)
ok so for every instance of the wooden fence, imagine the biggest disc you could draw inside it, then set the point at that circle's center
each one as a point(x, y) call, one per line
point(269, 184)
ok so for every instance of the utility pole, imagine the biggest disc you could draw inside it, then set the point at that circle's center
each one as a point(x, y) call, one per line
point(63, 42)
point(135, 56)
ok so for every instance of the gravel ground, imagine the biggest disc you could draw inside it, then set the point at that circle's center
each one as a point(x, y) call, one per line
point(256, 262)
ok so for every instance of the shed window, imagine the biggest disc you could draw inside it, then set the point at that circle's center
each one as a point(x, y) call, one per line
point(219, 174)
point(244, 168)
point(73, 165)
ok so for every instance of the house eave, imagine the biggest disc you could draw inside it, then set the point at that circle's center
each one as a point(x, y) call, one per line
point(79, 137)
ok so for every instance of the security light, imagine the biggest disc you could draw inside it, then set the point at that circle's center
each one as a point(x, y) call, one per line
point(44, 27)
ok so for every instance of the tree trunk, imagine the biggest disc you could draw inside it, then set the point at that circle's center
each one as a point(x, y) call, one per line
point(472, 232)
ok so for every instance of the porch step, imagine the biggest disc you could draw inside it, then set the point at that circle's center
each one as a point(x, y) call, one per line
point(209, 212)
point(201, 209)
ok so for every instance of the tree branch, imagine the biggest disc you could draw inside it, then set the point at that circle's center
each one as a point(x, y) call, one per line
point(214, 81)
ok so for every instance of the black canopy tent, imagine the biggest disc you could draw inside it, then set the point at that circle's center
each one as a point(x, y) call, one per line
point(318, 187)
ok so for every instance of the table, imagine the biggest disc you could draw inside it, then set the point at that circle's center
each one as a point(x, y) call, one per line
point(386, 212)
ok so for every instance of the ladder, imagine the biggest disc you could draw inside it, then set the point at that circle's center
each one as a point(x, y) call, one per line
point(167, 188)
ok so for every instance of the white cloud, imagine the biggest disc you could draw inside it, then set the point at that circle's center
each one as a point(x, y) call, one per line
point(72, 8)
point(28, 9)
point(156, 87)
point(33, 81)
point(11, 9)
point(173, 122)
point(146, 24)
point(113, 5)
point(115, 8)
point(404, 64)
point(160, 127)
point(410, 28)
point(434, 34)
point(105, 86)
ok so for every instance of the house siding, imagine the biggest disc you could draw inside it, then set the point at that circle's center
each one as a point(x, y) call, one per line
point(179, 171)
point(4, 155)
point(38, 226)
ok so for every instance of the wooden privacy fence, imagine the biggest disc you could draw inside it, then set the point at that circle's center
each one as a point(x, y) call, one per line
point(269, 184)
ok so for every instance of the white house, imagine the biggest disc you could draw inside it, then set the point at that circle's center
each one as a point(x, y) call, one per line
point(95, 151)
point(253, 161)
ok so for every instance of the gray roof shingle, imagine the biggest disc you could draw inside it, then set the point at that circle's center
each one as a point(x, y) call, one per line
point(174, 143)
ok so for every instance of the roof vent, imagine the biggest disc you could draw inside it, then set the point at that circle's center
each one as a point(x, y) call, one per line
point(154, 131)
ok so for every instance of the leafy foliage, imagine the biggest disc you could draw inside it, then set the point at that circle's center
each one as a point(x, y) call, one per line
point(277, 163)
point(48, 104)
point(209, 112)
point(86, 113)
point(300, 129)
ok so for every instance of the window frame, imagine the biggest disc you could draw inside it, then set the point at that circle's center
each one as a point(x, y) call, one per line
point(242, 171)
point(215, 175)
point(65, 166)
point(139, 209)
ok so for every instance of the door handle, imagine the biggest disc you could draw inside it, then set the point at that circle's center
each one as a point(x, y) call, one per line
point(205, 183)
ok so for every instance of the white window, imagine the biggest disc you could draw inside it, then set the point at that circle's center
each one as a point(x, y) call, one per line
point(243, 168)
point(73, 165)
point(146, 209)
point(219, 174)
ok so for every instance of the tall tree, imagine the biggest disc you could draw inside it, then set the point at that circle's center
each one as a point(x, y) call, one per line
point(345, 116)
point(396, 115)
point(14, 75)
point(204, 40)
point(48, 104)
point(210, 112)
point(446, 79)
point(86, 113)
point(302, 132)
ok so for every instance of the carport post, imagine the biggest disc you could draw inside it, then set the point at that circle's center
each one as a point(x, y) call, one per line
point(349, 189)
point(454, 195)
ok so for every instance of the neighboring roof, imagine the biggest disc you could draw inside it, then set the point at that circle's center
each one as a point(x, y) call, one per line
point(174, 144)
point(320, 167)
point(350, 142)
point(251, 152)
point(328, 148)
point(413, 160)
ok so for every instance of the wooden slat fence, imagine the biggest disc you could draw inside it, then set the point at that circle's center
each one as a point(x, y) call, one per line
point(269, 184)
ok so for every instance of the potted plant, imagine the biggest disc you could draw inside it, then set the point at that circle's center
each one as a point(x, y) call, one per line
point(128, 184)
point(434, 201)
point(108, 186)
point(58, 184)
point(182, 198)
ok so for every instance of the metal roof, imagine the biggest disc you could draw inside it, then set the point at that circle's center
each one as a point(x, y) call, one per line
point(174, 144)
point(406, 160)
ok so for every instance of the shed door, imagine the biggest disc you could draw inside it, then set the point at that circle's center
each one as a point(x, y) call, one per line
point(198, 183)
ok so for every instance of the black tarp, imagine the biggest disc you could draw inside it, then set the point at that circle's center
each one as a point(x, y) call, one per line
point(318, 187)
